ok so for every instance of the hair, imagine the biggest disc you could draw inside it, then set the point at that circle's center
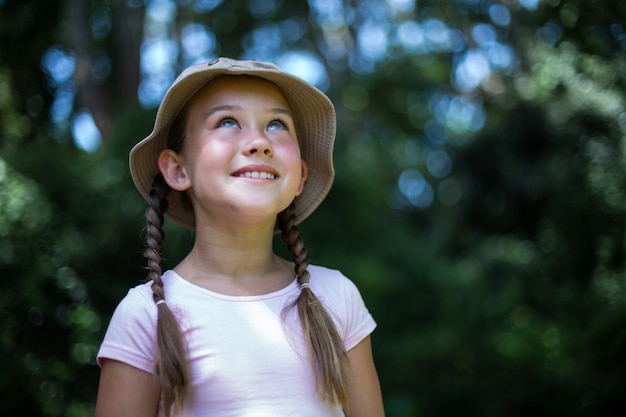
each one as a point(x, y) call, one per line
point(326, 351)
point(172, 365)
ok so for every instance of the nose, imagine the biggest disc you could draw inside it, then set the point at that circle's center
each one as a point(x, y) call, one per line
point(259, 144)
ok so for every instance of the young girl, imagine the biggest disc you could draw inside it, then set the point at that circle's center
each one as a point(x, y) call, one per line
point(240, 151)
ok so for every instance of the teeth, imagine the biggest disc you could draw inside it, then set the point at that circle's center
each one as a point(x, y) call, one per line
point(256, 174)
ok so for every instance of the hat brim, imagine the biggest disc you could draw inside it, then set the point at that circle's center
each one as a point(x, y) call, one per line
point(315, 125)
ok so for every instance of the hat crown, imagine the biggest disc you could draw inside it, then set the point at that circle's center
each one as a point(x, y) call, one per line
point(245, 65)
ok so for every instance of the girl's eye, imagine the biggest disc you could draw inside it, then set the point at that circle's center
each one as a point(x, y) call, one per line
point(228, 123)
point(277, 125)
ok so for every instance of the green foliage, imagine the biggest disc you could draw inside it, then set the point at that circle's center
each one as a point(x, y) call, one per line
point(504, 296)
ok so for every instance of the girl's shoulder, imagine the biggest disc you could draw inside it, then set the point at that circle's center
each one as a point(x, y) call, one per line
point(327, 278)
point(331, 283)
point(136, 304)
point(140, 297)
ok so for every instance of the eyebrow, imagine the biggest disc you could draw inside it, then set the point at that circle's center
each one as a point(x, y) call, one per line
point(216, 109)
point(282, 111)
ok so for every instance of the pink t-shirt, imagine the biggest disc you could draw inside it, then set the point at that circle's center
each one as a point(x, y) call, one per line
point(245, 359)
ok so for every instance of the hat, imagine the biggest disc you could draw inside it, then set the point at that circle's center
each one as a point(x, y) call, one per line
point(315, 125)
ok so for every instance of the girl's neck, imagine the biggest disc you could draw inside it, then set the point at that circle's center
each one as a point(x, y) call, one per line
point(241, 263)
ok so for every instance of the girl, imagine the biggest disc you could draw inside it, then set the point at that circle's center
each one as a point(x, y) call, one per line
point(240, 150)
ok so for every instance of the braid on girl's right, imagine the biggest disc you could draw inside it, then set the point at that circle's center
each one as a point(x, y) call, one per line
point(326, 350)
point(172, 366)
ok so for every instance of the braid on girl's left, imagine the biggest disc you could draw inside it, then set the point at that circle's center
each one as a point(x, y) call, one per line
point(326, 350)
point(172, 364)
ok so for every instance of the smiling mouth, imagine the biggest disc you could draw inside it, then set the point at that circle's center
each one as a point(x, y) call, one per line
point(257, 174)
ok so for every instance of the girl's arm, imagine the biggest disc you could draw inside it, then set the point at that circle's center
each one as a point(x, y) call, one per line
point(364, 390)
point(126, 391)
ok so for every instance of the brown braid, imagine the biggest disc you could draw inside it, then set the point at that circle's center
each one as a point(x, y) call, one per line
point(328, 355)
point(172, 367)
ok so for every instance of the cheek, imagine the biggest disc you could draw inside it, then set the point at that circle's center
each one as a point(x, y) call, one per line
point(208, 154)
point(297, 166)
point(291, 149)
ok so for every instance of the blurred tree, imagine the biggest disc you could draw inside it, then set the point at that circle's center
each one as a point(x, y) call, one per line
point(478, 204)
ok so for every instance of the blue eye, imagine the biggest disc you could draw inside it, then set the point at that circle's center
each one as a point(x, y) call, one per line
point(228, 123)
point(277, 125)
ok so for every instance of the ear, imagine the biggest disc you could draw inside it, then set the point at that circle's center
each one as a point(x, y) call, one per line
point(173, 170)
point(303, 177)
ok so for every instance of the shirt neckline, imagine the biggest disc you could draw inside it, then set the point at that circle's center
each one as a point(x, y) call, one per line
point(171, 274)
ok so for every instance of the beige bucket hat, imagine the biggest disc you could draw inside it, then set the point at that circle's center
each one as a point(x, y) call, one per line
point(315, 126)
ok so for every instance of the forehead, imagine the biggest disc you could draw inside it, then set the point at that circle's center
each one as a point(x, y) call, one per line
point(240, 87)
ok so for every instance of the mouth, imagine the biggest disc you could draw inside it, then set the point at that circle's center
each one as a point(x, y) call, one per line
point(257, 174)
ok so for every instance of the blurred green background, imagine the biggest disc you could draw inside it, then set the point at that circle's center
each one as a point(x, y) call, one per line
point(479, 202)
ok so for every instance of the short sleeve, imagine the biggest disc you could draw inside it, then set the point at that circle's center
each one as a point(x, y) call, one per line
point(343, 300)
point(131, 335)
point(359, 323)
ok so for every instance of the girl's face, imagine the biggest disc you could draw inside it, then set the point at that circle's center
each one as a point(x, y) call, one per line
point(240, 161)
